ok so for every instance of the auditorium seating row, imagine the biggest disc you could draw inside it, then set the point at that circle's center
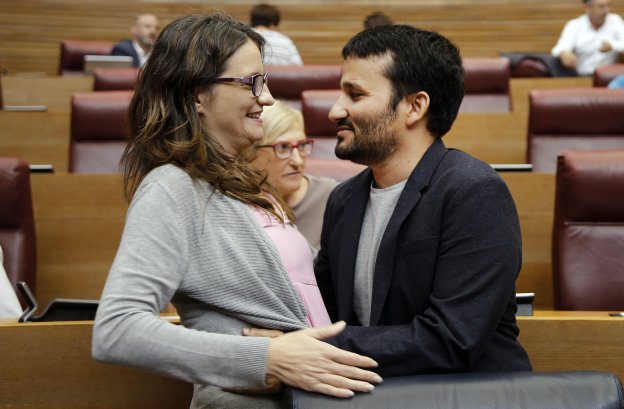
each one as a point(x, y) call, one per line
point(565, 119)
point(587, 235)
point(71, 62)
point(573, 119)
point(486, 82)
point(44, 137)
point(483, 76)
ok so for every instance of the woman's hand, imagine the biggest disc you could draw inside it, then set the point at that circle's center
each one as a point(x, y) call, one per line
point(300, 359)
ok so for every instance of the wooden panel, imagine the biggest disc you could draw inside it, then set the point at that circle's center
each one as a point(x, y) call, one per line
point(49, 366)
point(37, 137)
point(32, 30)
point(565, 341)
point(534, 194)
point(493, 138)
point(54, 92)
point(78, 220)
point(521, 87)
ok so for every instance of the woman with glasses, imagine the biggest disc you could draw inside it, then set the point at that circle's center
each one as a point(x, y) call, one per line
point(194, 236)
point(282, 153)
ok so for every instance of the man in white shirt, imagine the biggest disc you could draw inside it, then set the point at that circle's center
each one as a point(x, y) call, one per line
point(591, 40)
point(9, 305)
point(144, 32)
point(279, 48)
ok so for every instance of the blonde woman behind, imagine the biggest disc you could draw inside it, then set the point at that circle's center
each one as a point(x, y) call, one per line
point(283, 152)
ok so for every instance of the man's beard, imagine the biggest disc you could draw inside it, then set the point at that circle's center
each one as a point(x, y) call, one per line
point(146, 41)
point(374, 144)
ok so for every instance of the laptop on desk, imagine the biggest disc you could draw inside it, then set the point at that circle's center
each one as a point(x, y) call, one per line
point(91, 62)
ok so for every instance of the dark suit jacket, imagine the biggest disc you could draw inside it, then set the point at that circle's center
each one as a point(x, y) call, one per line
point(125, 48)
point(444, 281)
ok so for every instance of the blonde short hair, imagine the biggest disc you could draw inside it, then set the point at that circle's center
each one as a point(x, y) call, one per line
point(277, 119)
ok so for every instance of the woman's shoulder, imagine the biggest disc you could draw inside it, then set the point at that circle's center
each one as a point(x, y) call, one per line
point(173, 181)
point(167, 173)
point(318, 182)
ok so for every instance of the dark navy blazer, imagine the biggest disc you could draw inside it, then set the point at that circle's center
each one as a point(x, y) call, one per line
point(125, 48)
point(444, 281)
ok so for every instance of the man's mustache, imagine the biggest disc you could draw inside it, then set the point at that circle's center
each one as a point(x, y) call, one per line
point(346, 122)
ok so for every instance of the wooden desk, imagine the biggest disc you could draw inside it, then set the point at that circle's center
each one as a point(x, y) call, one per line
point(54, 92)
point(54, 369)
point(492, 137)
point(534, 195)
point(78, 220)
point(49, 366)
point(569, 341)
point(37, 137)
point(521, 87)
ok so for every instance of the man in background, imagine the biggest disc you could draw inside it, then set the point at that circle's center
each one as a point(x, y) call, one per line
point(591, 40)
point(144, 32)
point(279, 48)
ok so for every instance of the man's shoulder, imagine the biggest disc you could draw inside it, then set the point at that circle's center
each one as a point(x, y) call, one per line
point(123, 45)
point(614, 18)
point(577, 21)
point(460, 168)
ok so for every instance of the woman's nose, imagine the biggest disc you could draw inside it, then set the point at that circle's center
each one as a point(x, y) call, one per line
point(296, 158)
point(266, 98)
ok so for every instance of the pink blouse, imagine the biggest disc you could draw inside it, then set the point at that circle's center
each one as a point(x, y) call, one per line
point(296, 256)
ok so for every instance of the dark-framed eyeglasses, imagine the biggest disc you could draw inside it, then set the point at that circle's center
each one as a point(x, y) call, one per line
point(256, 82)
point(283, 150)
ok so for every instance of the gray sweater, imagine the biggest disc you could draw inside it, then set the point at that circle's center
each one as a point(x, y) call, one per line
point(186, 243)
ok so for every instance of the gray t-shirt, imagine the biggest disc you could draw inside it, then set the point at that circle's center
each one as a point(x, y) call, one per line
point(381, 204)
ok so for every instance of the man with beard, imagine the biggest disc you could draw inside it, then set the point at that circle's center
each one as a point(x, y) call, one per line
point(419, 252)
point(144, 32)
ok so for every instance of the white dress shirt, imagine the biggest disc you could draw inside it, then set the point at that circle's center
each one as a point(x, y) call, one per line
point(9, 304)
point(580, 37)
point(279, 49)
point(140, 52)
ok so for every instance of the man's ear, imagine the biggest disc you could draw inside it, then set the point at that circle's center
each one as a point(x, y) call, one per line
point(418, 107)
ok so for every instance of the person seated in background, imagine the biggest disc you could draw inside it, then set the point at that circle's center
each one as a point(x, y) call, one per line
point(9, 304)
point(377, 19)
point(282, 153)
point(144, 32)
point(280, 49)
point(591, 40)
point(205, 231)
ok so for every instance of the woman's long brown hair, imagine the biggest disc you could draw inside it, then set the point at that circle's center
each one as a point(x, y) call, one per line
point(165, 126)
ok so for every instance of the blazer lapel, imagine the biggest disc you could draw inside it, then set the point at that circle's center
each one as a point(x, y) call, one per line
point(384, 264)
point(354, 209)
